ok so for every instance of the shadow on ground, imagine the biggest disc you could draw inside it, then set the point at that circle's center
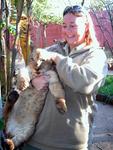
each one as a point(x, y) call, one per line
point(103, 128)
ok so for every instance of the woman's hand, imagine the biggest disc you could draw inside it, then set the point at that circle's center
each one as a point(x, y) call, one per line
point(40, 82)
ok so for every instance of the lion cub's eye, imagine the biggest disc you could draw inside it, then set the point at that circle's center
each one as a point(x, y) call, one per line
point(41, 59)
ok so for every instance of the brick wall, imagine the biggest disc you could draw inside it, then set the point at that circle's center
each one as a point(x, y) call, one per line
point(103, 28)
point(43, 37)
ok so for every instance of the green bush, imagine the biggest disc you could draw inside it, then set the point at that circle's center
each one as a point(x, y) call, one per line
point(107, 89)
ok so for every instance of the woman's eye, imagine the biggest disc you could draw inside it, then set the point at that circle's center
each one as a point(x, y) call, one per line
point(73, 26)
point(64, 26)
point(70, 26)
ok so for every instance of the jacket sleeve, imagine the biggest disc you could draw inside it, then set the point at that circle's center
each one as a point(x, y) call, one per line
point(87, 77)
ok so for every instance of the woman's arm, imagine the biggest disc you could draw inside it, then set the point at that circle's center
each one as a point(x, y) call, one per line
point(84, 78)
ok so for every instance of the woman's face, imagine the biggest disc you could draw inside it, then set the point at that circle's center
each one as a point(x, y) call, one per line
point(74, 29)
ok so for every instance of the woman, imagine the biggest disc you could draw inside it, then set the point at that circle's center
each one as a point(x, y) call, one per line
point(81, 66)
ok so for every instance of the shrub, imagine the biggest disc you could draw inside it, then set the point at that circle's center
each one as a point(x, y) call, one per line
point(107, 88)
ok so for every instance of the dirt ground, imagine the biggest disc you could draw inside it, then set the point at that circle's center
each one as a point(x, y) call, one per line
point(103, 128)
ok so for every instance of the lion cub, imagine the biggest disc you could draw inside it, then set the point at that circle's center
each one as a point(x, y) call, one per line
point(22, 119)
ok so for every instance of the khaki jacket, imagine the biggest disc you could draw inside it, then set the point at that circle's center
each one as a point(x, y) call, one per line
point(81, 72)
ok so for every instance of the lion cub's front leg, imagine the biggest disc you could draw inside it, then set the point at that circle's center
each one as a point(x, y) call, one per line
point(57, 91)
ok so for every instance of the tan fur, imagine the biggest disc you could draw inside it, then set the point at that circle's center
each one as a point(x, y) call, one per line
point(24, 115)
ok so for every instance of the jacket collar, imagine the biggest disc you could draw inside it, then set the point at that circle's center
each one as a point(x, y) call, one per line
point(79, 49)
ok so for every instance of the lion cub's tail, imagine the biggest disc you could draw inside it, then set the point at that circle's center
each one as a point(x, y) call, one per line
point(11, 100)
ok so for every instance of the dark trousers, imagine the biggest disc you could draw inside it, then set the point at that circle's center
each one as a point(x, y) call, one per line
point(29, 147)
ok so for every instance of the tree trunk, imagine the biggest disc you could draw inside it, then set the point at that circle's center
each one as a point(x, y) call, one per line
point(3, 76)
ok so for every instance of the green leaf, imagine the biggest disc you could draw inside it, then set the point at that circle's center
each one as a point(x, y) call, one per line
point(15, 3)
point(1, 124)
point(107, 89)
point(42, 11)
